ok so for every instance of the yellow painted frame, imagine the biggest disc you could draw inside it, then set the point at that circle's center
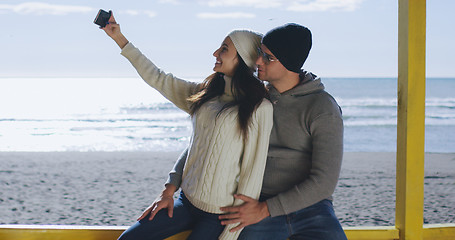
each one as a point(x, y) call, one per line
point(410, 154)
point(411, 118)
point(70, 232)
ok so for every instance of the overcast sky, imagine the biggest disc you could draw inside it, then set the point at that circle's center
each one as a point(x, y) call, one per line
point(351, 38)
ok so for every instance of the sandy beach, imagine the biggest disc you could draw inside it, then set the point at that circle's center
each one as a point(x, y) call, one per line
point(112, 188)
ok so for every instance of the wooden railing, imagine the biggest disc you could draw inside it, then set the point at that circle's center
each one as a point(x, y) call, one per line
point(69, 232)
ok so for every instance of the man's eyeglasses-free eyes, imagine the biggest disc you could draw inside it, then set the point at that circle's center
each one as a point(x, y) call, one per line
point(267, 58)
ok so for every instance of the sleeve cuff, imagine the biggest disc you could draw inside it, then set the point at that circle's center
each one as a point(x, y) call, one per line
point(127, 48)
point(174, 180)
point(275, 208)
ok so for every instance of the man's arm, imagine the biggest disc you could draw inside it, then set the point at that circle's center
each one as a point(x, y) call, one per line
point(327, 155)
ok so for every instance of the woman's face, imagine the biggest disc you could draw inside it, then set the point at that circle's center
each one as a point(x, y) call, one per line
point(226, 58)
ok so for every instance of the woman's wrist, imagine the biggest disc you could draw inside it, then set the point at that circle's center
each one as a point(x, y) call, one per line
point(121, 40)
point(169, 190)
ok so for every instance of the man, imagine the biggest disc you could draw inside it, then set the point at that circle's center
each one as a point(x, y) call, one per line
point(305, 150)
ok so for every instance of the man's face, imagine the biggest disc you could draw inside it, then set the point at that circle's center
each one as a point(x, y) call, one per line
point(269, 67)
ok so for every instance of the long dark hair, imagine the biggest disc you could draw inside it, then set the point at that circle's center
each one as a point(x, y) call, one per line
point(248, 92)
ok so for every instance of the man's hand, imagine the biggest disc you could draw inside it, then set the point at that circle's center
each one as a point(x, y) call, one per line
point(250, 212)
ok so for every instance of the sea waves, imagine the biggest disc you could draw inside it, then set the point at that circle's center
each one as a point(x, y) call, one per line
point(127, 115)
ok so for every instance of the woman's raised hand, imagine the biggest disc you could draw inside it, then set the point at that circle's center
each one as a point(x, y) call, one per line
point(112, 29)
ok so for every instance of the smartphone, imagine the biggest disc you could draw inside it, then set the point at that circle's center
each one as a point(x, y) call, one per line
point(102, 18)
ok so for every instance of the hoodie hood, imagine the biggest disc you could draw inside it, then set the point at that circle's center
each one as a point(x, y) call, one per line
point(309, 83)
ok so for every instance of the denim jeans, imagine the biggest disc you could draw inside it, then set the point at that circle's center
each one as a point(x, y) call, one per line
point(186, 217)
point(314, 222)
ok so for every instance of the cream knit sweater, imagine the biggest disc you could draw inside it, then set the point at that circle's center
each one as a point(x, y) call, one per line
point(219, 163)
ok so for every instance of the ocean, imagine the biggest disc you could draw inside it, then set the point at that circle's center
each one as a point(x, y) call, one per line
point(125, 114)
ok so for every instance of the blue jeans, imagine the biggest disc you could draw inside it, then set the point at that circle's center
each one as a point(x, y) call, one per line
point(186, 217)
point(314, 222)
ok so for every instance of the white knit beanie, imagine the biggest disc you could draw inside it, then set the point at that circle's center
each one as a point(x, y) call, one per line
point(247, 43)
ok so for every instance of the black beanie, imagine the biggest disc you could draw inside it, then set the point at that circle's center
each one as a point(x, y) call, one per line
point(290, 43)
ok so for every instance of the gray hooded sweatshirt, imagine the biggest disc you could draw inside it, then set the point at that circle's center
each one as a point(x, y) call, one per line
point(305, 149)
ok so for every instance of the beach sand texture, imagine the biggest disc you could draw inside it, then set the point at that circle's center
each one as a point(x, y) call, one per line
point(112, 188)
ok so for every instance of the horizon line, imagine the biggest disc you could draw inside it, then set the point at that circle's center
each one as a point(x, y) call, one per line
point(203, 77)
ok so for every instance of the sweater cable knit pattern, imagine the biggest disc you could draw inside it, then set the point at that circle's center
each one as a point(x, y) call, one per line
point(219, 162)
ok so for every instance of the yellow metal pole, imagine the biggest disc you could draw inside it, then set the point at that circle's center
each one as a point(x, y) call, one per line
point(411, 119)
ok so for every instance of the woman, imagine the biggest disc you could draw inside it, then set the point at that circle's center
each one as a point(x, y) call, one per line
point(231, 121)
